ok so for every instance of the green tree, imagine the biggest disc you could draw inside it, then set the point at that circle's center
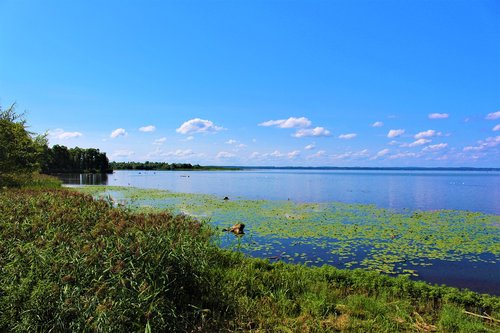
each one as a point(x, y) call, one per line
point(20, 150)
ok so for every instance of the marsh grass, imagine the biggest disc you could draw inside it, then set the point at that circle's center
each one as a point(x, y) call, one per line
point(72, 263)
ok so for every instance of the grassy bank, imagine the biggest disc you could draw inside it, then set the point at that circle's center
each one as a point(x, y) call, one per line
point(72, 263)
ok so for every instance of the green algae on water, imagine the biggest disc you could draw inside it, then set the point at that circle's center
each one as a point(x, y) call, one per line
point(347, 235)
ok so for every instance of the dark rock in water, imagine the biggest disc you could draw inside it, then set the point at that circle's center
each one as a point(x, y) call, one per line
point(236, 229)
point(226, 198)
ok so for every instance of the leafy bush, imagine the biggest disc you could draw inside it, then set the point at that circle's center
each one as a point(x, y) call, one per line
point(19, 151)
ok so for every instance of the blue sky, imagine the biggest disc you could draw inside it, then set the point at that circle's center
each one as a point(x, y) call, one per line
point(305, 83)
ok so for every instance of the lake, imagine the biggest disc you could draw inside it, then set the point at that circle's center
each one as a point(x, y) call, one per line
point(438, 226)
point(423, 190)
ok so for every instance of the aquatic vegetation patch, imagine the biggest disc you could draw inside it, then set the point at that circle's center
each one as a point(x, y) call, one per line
point(70, 263)
point(346, 235)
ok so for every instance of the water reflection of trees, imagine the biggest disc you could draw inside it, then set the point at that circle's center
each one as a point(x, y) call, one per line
point(83, 178)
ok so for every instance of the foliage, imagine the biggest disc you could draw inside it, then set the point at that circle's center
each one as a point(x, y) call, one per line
point(20, 151)
point(60, 159)
point(41, 181)
point(71, 263)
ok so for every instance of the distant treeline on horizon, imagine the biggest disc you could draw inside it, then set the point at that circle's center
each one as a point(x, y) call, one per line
point(163, 166)
point(367, 168)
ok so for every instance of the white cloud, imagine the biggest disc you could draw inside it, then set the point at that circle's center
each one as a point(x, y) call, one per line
point(319, 153)
point(395, 133)
point(149, 128)
point(189, 138)
point(160, 141)
point(484, 144)
point(435, 147)
point(254, 154)
point(403, 155)
point(378, 124)
point(122, 153)
point(231, 142)
point(198, 125)
point(118, 132)
point(293, 154)
point(493, 115)
point(381, 153)
point(496, 128)
point(310, 147)
point(317, 131)
point(277, 153)
point(438, 115)
point(291, 122)
point(351, 155)
point(225, 154)
point(241, 145)
point(347, 136)
point(393, 143)
point(427, 134)
point(60, 134)
point(180, 153)
point(419, 142)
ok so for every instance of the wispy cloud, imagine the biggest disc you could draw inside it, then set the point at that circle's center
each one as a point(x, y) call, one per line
point(393, 133)
point(381, 153)
point(378, 124)
point(484, 144)
point(118, 132)
point(149, 128)
point(438, 115)
point(435, 147)
point(493, 115)
point(291, 122)
point(403, 155)
point(277, 153)
point(419, 142)
point(160, 141)
point(254, 155)
point(348, 136)
point(231, 142)
point(496, 128)
point(351, 155)
point(293, 154)
point(123, 153)
point(180, 153)
point(318, 154)
point(427, 134)
point(225, 154)
point(198, 125)
point(61, 134)
point(315, 132)
point(310, 147)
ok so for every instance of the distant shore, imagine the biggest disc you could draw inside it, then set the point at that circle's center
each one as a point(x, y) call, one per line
point(363, 168)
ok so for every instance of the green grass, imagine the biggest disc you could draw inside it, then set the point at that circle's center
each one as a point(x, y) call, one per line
point(72, 263)
point(41, 181)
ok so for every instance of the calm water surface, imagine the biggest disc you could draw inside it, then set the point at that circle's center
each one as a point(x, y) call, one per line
point(424, 190)
point(414, 190)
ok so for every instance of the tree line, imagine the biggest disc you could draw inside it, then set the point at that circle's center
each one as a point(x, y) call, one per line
point(154, 166)
point(23, 153)
point(60, 159)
